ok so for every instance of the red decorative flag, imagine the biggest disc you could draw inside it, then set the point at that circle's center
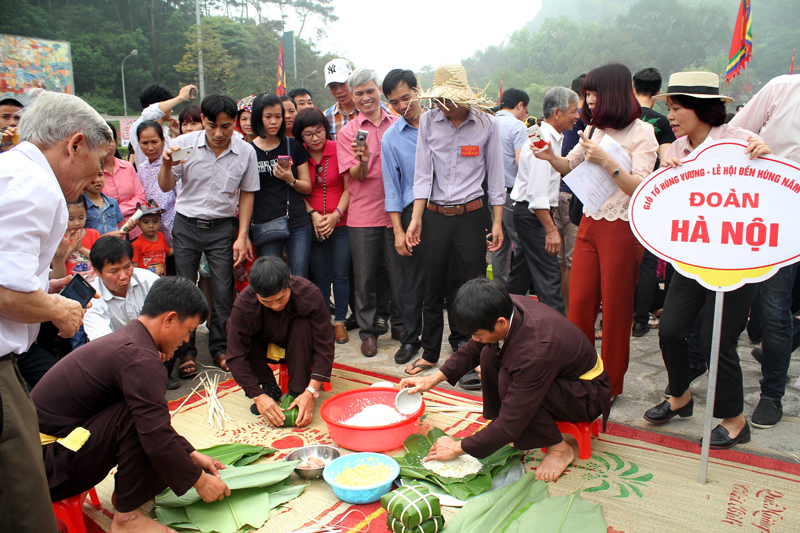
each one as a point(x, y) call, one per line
point(742, 44)
point(500, 96)
point(280, 90)
point(791, 65)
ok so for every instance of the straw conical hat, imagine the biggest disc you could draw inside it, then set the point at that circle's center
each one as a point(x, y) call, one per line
point(450, 83)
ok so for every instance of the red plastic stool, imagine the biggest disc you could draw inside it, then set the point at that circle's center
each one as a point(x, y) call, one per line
point(70, 510)
point(283, 379)
point(582, 431)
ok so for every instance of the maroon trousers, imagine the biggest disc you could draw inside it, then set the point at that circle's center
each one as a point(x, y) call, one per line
point(605, 267)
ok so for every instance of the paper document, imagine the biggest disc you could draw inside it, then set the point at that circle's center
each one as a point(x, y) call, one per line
point(591, 182)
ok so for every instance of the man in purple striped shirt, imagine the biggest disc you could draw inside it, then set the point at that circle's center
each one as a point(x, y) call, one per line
point(458, 146)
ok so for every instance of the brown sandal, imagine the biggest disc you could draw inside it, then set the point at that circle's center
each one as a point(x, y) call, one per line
point(187, 368)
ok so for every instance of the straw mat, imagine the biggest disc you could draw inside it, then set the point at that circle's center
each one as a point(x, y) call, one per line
point(645, 482)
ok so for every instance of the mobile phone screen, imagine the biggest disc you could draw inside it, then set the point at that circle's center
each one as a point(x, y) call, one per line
point(78, 289)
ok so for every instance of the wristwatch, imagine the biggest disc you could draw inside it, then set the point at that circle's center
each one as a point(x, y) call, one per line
point(292, 184)
point(616, 172)
point(314, 392)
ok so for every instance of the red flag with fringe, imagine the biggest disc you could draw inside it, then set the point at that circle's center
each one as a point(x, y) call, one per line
point(742, 44)
point(280, 90)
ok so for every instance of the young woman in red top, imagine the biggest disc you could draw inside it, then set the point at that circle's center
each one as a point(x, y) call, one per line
point(327, 207)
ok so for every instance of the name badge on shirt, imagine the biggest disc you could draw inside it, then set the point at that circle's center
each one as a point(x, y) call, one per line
point(470, 151)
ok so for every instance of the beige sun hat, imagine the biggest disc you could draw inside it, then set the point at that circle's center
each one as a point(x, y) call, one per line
point(450, 83)
point(694, 84)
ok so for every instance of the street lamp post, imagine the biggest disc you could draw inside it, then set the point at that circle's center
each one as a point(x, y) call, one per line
point(134, 52)
point(304, 79)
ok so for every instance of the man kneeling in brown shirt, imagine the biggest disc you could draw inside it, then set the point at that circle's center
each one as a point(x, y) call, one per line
point(114, 388)
point(288, 312)
point(537, 369)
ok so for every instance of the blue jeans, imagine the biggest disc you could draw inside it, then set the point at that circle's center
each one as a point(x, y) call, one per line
point(330, 263)
point(774, 308)
point(298, 250)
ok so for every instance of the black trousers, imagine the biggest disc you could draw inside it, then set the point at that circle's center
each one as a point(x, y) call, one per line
point(459, 239)
point(685, 299)
point(34, 364)
point(114, 442)
point(189, 242)
point(413, 288)
point(534, 263)
point(646, 287)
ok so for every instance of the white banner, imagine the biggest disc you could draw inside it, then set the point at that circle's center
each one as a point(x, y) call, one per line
point(721, 218)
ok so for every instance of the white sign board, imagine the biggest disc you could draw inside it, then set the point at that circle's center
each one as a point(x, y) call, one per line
point(721, 218)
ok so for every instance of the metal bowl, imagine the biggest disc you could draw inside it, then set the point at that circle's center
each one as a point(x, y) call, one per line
point(320, 451)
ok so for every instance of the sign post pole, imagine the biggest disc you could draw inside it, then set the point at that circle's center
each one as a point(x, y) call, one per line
point(713, 367)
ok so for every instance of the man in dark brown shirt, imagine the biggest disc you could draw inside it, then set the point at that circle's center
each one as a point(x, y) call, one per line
point(114, 388)
point(289, 312)
point(537, 369)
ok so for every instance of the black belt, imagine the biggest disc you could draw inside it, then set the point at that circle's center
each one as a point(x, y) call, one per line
point(552, 209)
point(203, 223)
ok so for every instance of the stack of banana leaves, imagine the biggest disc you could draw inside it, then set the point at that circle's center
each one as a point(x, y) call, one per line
point(493, 466)
point(525, 506)
point(256, 489)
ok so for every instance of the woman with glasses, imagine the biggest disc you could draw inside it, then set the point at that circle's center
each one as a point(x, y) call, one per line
point(283, 172)
point(326, 205)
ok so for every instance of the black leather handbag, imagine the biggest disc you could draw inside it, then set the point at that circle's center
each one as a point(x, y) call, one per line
point(276, 229)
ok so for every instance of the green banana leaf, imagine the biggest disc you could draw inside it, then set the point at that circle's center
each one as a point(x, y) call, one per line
point(417, 448)
point(292, 414)
point(236, 477)
point(490, 512)
point(244, 507)
point(562, 514)
point(236, 453)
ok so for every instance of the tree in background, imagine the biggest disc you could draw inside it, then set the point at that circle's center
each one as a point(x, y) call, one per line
point(219, 67)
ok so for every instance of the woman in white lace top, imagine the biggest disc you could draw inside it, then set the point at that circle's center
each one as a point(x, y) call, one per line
point(605, 263)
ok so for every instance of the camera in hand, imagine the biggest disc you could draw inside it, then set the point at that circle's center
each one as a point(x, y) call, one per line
point(361, 137)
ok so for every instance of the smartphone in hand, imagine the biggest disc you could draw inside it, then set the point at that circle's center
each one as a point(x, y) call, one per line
point(182, 154)
point(284, 161)
point(78, 289)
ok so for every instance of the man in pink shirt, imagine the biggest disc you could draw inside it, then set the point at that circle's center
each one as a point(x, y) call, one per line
point(371, 235)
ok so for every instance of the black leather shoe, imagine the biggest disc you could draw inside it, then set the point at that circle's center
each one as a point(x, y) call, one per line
point(351, 323)
point(405, 353)
point(381, 325)
point(757, 354)
point(663, 412)
point(172, 384)
point(721, 439)
point(694, 373)
point(640, 329)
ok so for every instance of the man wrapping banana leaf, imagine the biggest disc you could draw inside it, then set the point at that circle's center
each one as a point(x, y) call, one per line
point(537, 369)
point(104, 405)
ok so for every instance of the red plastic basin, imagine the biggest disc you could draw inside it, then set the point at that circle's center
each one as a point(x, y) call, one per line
point(367, 439)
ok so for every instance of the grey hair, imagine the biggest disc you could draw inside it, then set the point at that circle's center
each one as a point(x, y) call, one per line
point(360, 76)
point(54, 117)
point(558, 98)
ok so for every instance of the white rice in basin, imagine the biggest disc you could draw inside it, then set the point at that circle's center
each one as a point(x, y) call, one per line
point(458, 468)
point(375, 415)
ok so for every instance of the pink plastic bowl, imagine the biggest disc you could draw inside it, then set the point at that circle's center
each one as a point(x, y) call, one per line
point(361, 439)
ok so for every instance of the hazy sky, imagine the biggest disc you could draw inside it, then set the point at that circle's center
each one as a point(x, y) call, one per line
point(385, 35)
